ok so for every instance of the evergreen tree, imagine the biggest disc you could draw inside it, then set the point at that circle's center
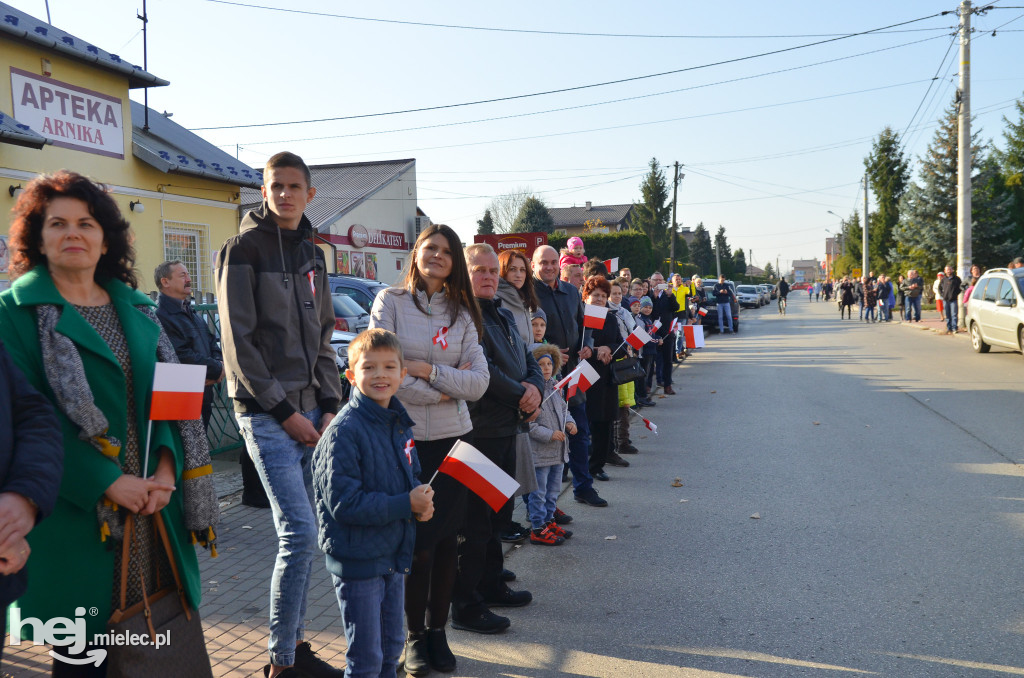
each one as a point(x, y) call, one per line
point(994, 239)
point(701, 254)
point(852, 244)
point(485, 226)
point(739, 262)
point(888, 174)
point(724, 254)
point(1012, 161)
point(769, 271)
point(925, 235)
point(682, 250)
point(652, 214)
point(533, 217)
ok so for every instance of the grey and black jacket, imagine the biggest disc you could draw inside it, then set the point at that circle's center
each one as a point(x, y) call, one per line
point(276, 320)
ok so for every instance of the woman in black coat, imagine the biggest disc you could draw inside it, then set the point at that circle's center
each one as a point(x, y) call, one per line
point(603, 396)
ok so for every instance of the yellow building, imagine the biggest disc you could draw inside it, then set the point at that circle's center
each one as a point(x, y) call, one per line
point(64, 105)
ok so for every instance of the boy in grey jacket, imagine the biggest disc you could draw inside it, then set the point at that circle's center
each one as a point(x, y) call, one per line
point(550, 450)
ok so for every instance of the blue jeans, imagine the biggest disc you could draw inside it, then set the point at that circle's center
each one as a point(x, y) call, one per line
point(284, 468)
point(913, 305)
point(373, 614)
point(860, 310)
point(726, 310)
point(950, 309)
point(579, 451)
point(869, 312)
point(541, 502)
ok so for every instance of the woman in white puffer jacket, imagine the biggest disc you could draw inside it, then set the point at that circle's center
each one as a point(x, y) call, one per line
point(437, 320)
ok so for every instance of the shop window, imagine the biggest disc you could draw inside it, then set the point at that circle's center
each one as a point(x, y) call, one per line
point(189, 244)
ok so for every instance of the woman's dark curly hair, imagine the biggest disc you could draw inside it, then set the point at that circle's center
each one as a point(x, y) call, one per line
point(26, 235)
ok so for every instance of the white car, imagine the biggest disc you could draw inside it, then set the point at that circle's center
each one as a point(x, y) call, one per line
point(749, 296)
point(995, 310)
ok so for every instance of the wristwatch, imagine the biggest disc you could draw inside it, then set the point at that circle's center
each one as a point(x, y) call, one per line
point(433, 374)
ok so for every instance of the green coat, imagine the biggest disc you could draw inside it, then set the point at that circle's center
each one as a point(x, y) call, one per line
point(70, 566)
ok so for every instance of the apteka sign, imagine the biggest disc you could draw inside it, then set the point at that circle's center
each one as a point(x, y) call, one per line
point(68, 115)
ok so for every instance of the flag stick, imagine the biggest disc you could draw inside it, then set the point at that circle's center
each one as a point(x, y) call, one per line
point(149, 437)
point(439, 465)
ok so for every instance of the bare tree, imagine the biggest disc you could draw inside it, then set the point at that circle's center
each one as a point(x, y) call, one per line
point(505, 208)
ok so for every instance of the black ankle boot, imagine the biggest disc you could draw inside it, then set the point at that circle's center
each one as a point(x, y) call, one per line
point(417, 661)
point(441, 657)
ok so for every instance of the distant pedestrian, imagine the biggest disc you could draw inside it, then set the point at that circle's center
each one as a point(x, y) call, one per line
point(914, 288)
point(949, 290)
point(937, 295)
point(846, 298)
point(723, 298)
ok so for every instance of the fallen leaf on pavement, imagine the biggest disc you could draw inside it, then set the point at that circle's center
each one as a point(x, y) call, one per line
point(756, 516)
point(610, 537)
point(683, 500)
point(678, 482)
point(714, 391)
point(817, 423)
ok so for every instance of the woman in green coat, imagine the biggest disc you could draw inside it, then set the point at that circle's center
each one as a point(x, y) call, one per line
point(74, 323)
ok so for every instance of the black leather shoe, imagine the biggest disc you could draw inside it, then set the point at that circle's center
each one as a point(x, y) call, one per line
point(481, 620)
point(506, 597)
point(508, 575)
point(649, 403)
point(516, 534)
point(417, 655)
point(591, 499)
point(601, 475)
point(290, 672)
point(441, 656)
point(311, 665)
point(629, 449)
point(615, 460)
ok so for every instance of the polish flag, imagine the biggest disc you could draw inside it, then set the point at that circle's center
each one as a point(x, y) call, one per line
point(470, 467)
point(694, 336)
point(657, 324)
point(702, 312)
point(177, 392)
point(675, 326)
point(637, 338)
point(593, 316)
point(612, 264)
point(651, 426)
point(586, 376)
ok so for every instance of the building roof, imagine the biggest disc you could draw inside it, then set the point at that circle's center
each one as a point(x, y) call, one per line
point(342, 187)
point(21, 26)
point(171, 148)
point(13, 132)
point(610, 215)
point(805, 263)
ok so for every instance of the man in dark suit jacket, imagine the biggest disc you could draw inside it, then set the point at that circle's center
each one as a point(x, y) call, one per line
point(665, 309)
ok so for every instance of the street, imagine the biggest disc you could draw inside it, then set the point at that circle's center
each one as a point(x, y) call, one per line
point(851, 503)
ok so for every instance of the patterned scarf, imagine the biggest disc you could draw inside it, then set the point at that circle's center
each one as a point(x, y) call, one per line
point(65, 374)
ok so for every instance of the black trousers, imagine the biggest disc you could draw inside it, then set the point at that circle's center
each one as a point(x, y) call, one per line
point(668, 355)
point(600, 444)
point(480, 555)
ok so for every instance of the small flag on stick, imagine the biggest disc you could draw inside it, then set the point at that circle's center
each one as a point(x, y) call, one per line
point(651, 426)
point(675, 326)
point(638, 337)
point(702, 311)
point(694, 336)
point(470, 467)
point(657, 324)
point(177, 392)
point(581, 378)
point(612, 265)
point(593, 316)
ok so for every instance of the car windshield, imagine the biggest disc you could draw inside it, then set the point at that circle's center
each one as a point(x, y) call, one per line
point(747, 289)
point(344, 306)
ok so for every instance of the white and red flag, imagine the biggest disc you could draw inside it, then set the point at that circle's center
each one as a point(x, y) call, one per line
point(410, 445)
point(177, 392)
point(612, 264)
point(694, 336)
point(651, 426)
point(638, 337)
point(675, 326)
point(442, 338)
point(657, 324)
point(470, 467)
point(702, 311)
point(593, 316)
point(581, 378)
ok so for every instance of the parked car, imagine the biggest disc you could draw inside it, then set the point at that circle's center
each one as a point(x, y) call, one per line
point(750, 296)
point(773, 292)
point(362, 290)
point(711, 319)
point(995, 312)
point(348, 315)
point(340, 342)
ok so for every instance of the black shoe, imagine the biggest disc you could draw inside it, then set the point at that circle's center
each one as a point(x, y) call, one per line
point(311, 665)
point(290, 672)
point(629, 449)
point(441, 657)
point(601, 475)
point(480, 621)
point(515, 534)
point(649, 403)
point(565, 476)
point(591, 499)
point(417, 656)
point(508, 575)
point(561, 517)
point(615, 460)
point(506, 597)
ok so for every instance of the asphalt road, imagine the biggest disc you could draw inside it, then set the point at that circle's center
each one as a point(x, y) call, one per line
point(882, 463)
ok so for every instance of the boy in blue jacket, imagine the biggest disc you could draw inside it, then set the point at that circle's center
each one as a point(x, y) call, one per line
point(365, 479)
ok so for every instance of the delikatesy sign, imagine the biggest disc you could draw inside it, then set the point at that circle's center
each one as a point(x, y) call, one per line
point(68, 115)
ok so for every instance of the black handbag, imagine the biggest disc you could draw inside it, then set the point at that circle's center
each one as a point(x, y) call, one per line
point(164, 614)
point(626, 370)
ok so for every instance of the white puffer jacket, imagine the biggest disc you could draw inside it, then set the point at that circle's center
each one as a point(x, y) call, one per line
point(433, 419)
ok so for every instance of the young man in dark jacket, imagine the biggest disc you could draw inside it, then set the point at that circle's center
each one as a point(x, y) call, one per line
point(511, 401)
point(949, 290)
point(31, 466)
point(277, 320)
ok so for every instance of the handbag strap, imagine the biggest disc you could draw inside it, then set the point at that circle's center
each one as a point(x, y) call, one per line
point(126, 553)
point(161, 528)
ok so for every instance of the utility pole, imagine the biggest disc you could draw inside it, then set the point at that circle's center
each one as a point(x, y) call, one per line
point(144, 18)
point(865, 266)
point(672, 245)
point(718, 263)
point(963, 187)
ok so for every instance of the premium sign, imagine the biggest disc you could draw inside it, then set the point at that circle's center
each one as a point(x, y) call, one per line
point(526, 242)
point(67, 115)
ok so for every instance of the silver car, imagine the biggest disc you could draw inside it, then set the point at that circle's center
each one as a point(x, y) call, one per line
point(749, 296)
point(995, 310)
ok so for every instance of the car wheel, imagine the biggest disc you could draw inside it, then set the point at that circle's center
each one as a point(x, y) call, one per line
point(1020, 338)
point(977, 343)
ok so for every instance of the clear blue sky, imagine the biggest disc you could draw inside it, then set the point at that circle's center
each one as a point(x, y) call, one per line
point(766, 155)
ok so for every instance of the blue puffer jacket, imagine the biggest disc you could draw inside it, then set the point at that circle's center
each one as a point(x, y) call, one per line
point(362, 477)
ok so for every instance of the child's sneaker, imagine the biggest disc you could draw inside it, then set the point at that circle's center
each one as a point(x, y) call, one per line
point(559, 530)
point(561, 517)
point(546, 537)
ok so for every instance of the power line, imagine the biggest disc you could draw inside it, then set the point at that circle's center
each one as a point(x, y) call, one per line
point(496, 29)
point(574, 88)
point(579, 106)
